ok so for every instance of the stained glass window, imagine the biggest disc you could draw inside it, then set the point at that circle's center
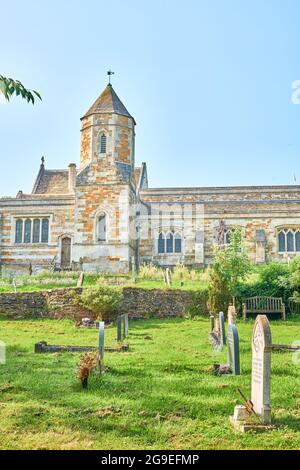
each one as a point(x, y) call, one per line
point(161, 243)
point(177, 243)
point(36, 231)
point(19, 231)
point(170, 243)
point(45, 231)
point(102, 143)
point(27, 231)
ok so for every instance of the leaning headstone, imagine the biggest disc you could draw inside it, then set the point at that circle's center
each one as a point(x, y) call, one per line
point(101, 347)
point(231, 314)
point(261, 368)
point(80, 280)
point(168, 277)
point(233, 349)
point(222, 328)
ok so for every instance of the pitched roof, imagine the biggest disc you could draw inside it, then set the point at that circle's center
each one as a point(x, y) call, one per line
point(108, 102)
point(52, 182)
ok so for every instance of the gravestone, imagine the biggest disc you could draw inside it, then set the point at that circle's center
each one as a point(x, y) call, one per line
point(222, 328)
point(212, 323)
point(101, 347)
point(126, 326)
point(119, 329)
point(261, 368)
point(80, 280)
point(233, 349)
point(231, 315)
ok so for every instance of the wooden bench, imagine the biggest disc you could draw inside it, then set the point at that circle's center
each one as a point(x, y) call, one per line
point(263, 306)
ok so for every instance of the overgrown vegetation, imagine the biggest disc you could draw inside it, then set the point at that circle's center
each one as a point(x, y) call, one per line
point(230, 265)
point(101, 299)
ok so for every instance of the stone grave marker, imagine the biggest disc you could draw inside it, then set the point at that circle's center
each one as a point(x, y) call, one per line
point(261, 368)
point(80, 280)
point(212, 323)
point(119, 329)
point(231, 314)
point(126, 326)
point(101, 347)
point(222, 328)
point(233, 349)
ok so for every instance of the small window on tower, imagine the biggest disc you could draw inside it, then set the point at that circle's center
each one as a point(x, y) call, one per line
point(102, 143)
point(101, 228)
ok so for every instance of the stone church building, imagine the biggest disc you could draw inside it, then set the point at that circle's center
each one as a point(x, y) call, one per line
point(102, 216)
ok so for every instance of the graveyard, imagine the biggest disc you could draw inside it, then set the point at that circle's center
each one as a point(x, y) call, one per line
point(160, 393)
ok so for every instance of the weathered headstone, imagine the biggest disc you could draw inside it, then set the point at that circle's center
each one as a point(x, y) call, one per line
point(231, 314)
point(222, 328)
point(212, 323)
point(233, 349)
point(119, 329)
point(126, 325)
point(261, 368)
point(80, 280)
point(101, 347)
point(133, 269)
point(168, 277)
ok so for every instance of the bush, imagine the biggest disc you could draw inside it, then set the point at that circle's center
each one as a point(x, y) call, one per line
point(271, 282)
point(199, 305)
point(103, 300)
point(230, 265)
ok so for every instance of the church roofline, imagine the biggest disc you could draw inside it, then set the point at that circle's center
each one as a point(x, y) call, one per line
point(222, 189)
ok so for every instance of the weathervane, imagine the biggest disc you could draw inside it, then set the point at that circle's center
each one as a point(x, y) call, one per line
point(110, 73)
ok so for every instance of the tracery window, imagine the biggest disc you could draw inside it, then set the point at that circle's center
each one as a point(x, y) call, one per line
point(32, 230)
point(288, 240)
point(169, 243)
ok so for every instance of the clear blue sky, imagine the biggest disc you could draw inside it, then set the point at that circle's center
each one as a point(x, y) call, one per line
point(208, 82)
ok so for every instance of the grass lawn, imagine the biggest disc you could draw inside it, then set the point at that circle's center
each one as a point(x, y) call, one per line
point(159, 395)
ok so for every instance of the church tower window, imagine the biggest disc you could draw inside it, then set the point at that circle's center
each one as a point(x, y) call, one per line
point(101, 228)
point(102, 143)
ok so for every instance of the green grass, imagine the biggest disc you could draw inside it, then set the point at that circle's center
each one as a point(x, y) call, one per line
point(159, 395)
point(47, 281)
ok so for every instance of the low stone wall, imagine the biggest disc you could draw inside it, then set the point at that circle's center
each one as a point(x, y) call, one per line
point(145, 303)
point(59, 303)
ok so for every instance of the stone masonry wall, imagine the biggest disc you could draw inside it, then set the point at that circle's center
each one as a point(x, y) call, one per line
point(58, 304)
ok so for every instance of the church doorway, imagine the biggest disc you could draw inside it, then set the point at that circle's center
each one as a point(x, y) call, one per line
point(65, 252)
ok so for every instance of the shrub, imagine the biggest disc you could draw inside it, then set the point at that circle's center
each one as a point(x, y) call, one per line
point(199, 305)
point(103, 300)
point(230, 265)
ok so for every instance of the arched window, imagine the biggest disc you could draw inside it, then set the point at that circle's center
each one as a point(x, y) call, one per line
point(297, 238)
point(281, 242)
point(27, 231)
point(102, 143)
point(36, 231)
point(161, 243)
point(170, 243)
point(45, 231)
point(101, 228)
point(19, 231)
point(288, 241)
point(178, 247)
